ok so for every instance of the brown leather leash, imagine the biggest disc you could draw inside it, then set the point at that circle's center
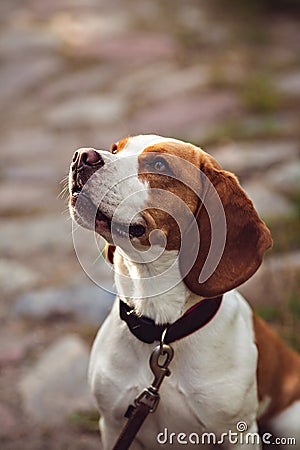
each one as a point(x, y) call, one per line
point(147, 331)
point(131, 428)
point(146, 402)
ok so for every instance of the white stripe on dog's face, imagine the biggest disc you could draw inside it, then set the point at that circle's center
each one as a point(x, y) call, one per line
point(116, 187)
point(137, 144)
point(121, 181)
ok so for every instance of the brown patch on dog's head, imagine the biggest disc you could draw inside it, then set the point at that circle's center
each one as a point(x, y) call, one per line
point(119, 146)
point(247, 237)
point(170, 190)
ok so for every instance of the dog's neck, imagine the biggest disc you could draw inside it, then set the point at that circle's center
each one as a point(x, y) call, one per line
point(154, 288)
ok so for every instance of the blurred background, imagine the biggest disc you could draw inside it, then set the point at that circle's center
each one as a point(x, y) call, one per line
point(74, 73)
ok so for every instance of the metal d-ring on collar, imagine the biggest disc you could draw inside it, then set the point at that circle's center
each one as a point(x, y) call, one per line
point(162, 340)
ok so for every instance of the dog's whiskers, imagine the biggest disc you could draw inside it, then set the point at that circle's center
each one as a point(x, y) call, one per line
point(65, 187)
point(63, 193)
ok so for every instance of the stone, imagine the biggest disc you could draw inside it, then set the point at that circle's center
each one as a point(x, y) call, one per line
point(17, 42)
point(188, 114)
point(14, 347)
point(17, 197)
point(29, 173)
point(8, 422)
point(138, 48)
point(87, 111)
point(283, 123)
point(15, 277)
point(269, 203)
point(283, 56)
point(30, 236)
point(83, 81)
point(103, 137)
point(277, 277)
point(39, 155)
point(179, 82)
point(44, 10)
point(245, 158)
point(149, 82)
point(137, 83)
point(20, 76)
point(29, 143)
point(285, 179)
point(55, 386)
point(86, 304)
point(11, 355)
point(45, 244)
point(82, 31)
point(289, 83)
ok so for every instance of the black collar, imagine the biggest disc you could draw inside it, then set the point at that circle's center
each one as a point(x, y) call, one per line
point(193, 319)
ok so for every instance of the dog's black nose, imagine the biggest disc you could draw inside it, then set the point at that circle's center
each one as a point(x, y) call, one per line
point(87, 157)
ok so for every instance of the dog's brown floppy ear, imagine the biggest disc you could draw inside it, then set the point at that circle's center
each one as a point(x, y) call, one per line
point(246, 236)
point(109, 252)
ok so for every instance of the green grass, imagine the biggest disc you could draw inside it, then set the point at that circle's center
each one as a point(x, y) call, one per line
point(241, 129)
point(259, 95)
point(270, 313)
point(85, 420)
point(296, 201)
point(286, 318)
point(286, 231)
point(292, 335)
point(293, 303)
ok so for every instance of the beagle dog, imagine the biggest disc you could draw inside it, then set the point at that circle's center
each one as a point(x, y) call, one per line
point(181, 230)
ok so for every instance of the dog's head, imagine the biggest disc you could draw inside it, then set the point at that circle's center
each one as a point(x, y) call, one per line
point(148, 187)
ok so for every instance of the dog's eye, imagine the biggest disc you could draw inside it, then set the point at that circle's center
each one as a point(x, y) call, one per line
point(159, 165)
point(114, 149)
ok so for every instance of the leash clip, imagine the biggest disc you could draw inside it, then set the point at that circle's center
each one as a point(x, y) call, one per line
point(160, 359)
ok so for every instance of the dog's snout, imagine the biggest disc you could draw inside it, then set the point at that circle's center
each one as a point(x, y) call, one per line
point(86, 161)
point(88, 157)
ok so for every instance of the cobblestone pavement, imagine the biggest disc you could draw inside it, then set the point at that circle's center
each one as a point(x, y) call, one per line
point(85, 73)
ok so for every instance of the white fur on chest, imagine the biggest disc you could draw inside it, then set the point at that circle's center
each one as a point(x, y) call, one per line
point(212, 385)
point(152, 288)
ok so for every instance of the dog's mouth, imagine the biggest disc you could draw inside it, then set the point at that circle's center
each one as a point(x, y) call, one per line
point(88, 215)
